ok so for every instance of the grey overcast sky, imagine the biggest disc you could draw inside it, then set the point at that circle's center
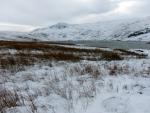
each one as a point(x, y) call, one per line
point(47, 12)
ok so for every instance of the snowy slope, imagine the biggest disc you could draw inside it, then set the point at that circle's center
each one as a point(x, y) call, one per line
point(16, 36)
point(131, 29)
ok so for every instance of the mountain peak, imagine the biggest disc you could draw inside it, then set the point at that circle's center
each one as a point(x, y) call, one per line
point(60, 25)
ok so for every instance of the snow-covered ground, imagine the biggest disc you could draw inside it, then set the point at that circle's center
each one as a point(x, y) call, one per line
point(81, 87)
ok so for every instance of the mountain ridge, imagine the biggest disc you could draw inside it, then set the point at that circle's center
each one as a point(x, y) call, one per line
point(111, 30)
point(123, 30)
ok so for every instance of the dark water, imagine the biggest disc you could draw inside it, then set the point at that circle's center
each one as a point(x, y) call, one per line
point(112, 44)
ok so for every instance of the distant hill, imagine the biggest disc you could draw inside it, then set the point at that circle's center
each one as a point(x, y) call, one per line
point(128, 29)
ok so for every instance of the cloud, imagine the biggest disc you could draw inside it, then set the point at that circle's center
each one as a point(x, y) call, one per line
point(38, 12)
point(141, 7)
point(124, 9)
point(45, 12)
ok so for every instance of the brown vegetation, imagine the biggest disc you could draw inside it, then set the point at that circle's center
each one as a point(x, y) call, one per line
point(27, 53)
point(8, 99)
point(92, 70)
point(126, 52)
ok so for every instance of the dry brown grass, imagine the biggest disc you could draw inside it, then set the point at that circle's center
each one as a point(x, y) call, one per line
point(117, 69)
point(126, 52)
point(90, 69)
point(111, 55)
point(12, 99)
point(25, 56)
point(8, 99)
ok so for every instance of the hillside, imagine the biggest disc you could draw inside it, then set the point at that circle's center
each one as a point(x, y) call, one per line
point(131, 29)
point(16, 36)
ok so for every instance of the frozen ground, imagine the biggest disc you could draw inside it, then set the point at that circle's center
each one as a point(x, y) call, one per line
point(80, 87)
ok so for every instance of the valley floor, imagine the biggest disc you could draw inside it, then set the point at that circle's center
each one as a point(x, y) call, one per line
point(84, 86)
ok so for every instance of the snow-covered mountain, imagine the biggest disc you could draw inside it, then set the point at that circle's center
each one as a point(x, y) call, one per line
point(16, 36)
point(128, 29)
point(131, 29)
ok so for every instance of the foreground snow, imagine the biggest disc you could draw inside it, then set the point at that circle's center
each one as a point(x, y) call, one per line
point(82, 87)
point(122, 95)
